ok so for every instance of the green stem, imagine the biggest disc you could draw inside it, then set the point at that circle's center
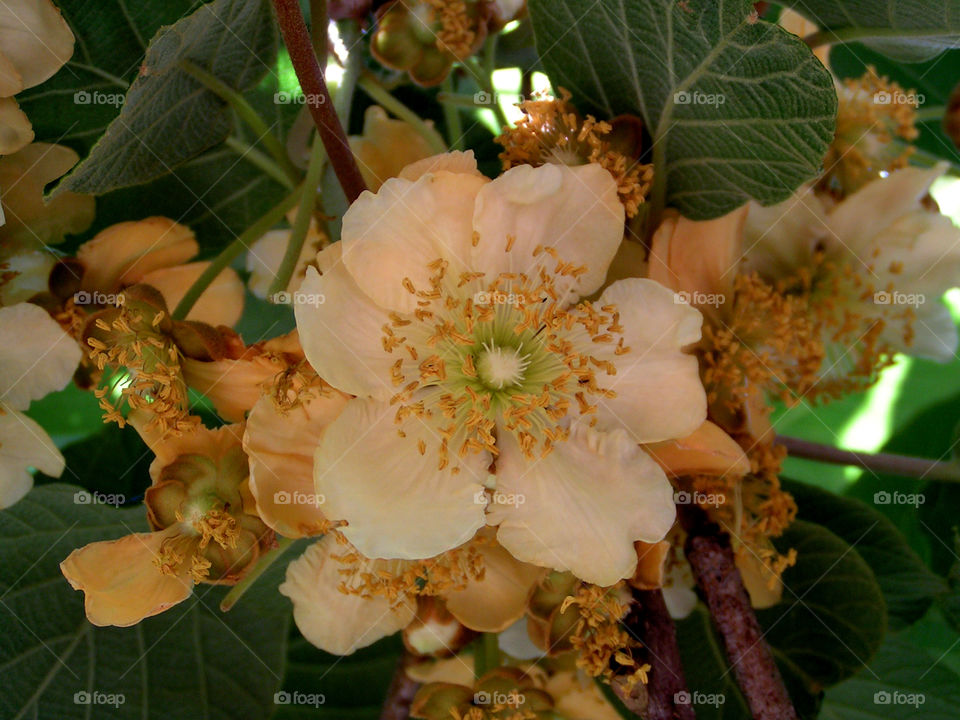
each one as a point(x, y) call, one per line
point(262, 565)
point(861, 34)
point(227, 255)
point(351, 73)
point(658, 194)
point(485, 80)
point(933, 113)
point(246, 112)
point(885, 463)
point(486, 655)
point(301, 224)
point(384, 98)
point(451, 116)
point(261, 160)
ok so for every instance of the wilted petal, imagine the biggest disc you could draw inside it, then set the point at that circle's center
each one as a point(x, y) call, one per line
point(334, 621)
point(575, 211)
point(280, 445)
point(567, 520)
point(396, 501)
point(121, 583)
point(36, 356)
point(220, 304)
point(23, 444)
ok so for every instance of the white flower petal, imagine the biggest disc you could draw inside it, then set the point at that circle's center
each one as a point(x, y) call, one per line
point(35, 38)
point(220, 304)
point(455, 161)
point(396, 502)
point(16, 132)
point(652, 316)
point(583, 505)
point(23, 444)
point(399, 231)
point(36, 356)
point(342, 335)
point(334, 621)
point(575, 211)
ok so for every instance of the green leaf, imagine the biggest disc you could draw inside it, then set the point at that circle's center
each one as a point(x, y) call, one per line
point(832, 617)
point(738, 108)
point(907, 30)
point(893, 685)
point(189, 662)
point(908, 585)
point(168, 117)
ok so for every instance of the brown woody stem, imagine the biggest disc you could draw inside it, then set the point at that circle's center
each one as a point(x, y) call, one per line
point(709, 553)
point(401, 692)
point(297, 39)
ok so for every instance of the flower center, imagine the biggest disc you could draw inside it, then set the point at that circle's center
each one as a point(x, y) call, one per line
point(499, 367)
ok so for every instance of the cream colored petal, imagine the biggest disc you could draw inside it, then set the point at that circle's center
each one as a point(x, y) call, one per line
point(333, 621)
point(23, 444)
point(120, 581)
point(233, 386)
point(575, 211)
point(16, 132)
point(765, 588)
point(569, 521)
point(456, 161)
point(500, 598)
point(659, 394)
point(457, 670)
point(36, 356)
point(35, 38)
point(220, 304)
point(266, 255)
point(577, 697)
point(280, 446)
point(10, 81)
point(397, 503)
point(780, 238)
point(386, 147)
point(342, 336)
point(934, 333)
point(707, 451)
point(651, 564)
point(398, 232)
point(32, 270)
point(124, 253)
point(31, 219)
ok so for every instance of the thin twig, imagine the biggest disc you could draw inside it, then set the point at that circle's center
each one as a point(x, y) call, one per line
point(886, 463)
point(314, 87)
point(401, 692)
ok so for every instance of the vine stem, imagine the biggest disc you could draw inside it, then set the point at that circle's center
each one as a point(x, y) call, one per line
point(262, 565)
point(860, 34)
point(384, 98)
point(887, 463)
point(401, 692)
point(231, 251)
point(246, 112)
point(297, 39)
point(452, 116)
point(486, 654)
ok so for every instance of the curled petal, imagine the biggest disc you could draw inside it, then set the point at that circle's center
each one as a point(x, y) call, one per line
point(707, 451)
point(121, 583)
point(334, 621)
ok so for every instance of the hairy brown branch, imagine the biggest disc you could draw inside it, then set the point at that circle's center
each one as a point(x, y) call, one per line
point(298, 42)
point(709, 553)
point(401, 692)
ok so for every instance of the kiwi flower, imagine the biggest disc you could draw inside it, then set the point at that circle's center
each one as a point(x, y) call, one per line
point(487, 390)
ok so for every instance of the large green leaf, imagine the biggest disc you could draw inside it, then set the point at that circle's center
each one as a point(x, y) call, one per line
point(738, 108)
point(902, 682)
point(189, 662)
point(908, 585)
point(908, 30)
point(832, 617)
point(168, 117)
